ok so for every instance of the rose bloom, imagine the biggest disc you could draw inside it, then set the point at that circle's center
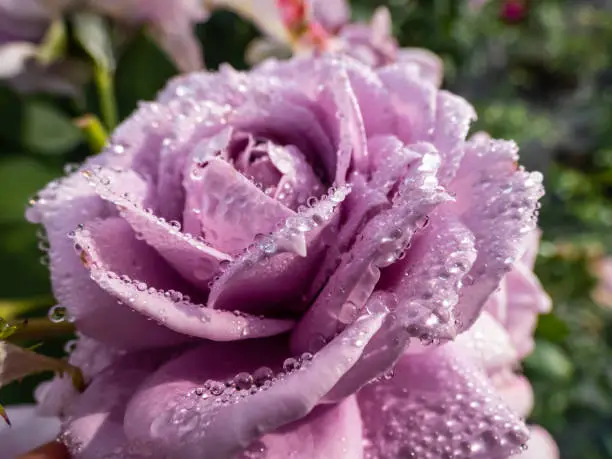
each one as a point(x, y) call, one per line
point(297, 261)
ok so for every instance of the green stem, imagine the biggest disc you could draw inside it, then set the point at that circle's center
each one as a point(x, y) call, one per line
point(40, 329)
point(11, 309)
point(106, 94)
point(94, 132)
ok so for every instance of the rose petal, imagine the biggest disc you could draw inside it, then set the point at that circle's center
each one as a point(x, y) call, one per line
point(414, 102)
point(231, 209)
point(276, 271)
point(540, 446)
point(200, 427)
point(515, 390)
point(438, 403)
point(94, 427)
point(430, 66)
point(525, 300)
point(60, 208)
point(145, 293)
point(191, 257)
point(506, 214)
point(27, 430)
point(378, 245)
point(331, 431)
point(422, 291)
point(489, 344)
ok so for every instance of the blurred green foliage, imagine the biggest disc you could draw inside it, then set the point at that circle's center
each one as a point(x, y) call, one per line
point(545, 81)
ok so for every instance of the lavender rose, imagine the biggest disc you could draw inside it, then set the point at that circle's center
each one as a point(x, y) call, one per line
point(255, 252)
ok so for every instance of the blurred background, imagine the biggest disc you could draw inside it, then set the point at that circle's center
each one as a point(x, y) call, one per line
point(538, 71)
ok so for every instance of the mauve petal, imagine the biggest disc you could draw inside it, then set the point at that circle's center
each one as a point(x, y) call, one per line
point(438, 403)
point(489, 343)
point(28, 430)
point(454, 115)
point(532, 244)
point(525, 300)
point(61, 207)
point(331, 14)
point(422, 291)
point(231, 209)
point(191, 257)
point(378, 245)
point(428, 280)
point(414, 102)
point(277, 270)
point(94, 428)
point(149, 293)
point(508, 200)
point(515, 390)
point(540, 446)
point(202, 424)
point(331, 431)
point(430, 66)
point(344, 114)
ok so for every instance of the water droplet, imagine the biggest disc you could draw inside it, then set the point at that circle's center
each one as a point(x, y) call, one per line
point(262, 375)
point(243, 381)
point(290, 365)
point(57, 314)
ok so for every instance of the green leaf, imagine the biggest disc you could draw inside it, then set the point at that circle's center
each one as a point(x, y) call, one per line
point(21, 178)
point(550, 361)
point(552, 328)
point(17, 363)
point(93, 35)
point(142, 72)
point(48, 131)
point(91, 31)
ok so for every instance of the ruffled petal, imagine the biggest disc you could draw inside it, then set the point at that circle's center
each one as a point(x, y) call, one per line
point(515, 390)
point(489, 343)
point(60, 208)
point(525, 300)
point(94, 428)
point(438, 404)
point(190, 256)
point(379, 244)
point(329, 431)
point(275, 273)
point(27, 431)
point(508, 201)
point(540, 446)
point(152, 291)
point(231, 209)
point(191, 423)
point(430, 66)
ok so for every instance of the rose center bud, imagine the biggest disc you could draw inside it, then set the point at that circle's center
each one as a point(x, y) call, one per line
point(241, 186)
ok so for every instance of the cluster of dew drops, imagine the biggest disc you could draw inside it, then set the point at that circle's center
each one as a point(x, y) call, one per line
point(244, 383)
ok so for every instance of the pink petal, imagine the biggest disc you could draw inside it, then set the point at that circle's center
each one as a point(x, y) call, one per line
point(489, 344)
point(525, 300)
point(61, 207)
point(27, 431)
point(183, 424)
point(540, 446)
point(191, 257)
point(153, 292)
point(231, 209)
point(438, 403)
point(414, 102)
point(277, 270)
point(515, 390)
point(329, 431)
point(94, 428)
point(508, 199)
point(430, 66)
point(378, 245)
